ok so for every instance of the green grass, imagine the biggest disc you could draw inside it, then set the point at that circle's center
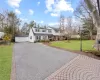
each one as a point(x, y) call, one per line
point(5, 62)
point(74, 44)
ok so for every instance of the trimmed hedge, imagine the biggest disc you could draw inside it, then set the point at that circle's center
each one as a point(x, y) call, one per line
point(42, 41)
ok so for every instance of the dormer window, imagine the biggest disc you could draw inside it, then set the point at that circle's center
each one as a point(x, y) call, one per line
point(44, 30)
point(37, 30)
point(49, 31)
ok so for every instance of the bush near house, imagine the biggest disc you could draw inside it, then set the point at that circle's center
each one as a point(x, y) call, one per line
point(42, 41)
point(7, 38)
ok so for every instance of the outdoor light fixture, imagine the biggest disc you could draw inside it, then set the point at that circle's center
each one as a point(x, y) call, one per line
point(98, 4)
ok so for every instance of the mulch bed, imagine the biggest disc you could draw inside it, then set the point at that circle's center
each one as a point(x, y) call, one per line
point(74, 51)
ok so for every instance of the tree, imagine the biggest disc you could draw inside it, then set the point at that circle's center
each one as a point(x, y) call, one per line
point(32, 24)
point(25, 28)
point(96, 17)
point(88, 28)
point(1, 21)
point(83, 13)
point(13, 24)
point(9, 23)
point(69, 27)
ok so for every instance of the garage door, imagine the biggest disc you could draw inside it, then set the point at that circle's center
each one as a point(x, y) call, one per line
point(21, 39)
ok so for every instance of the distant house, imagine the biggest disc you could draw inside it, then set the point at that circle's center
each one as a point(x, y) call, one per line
point(48, 33)
point(1, 35)
point(41, 33)
point(75, 36)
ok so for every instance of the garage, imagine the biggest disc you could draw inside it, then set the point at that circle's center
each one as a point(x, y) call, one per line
point(21, 39)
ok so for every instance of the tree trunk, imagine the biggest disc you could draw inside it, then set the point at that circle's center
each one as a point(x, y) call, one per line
point(97, 43)
point(91, 35)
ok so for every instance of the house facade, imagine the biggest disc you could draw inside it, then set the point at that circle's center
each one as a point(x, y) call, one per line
point(37, 34)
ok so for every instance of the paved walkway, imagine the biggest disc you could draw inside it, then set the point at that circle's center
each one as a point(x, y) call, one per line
point(37, 61)
point(80, 68)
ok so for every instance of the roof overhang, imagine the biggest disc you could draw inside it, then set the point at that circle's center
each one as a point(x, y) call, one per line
point(39, 33)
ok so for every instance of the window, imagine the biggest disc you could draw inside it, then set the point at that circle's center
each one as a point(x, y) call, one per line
point(38, 37)
point(49, 31)
point(44, 30)
point(44, 37)
point(30, 37)
point(37, 30)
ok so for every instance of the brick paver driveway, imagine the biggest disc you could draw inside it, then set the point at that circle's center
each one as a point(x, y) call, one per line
point(80, 68)
point(37, 61)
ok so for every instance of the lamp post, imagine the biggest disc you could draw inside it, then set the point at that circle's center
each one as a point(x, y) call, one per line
point(98, 3)
point(80, 32)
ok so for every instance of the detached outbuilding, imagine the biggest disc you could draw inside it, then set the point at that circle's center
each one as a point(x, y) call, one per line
point(1, 35)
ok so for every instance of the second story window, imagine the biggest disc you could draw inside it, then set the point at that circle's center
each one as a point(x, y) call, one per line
point(44, 30)
point(37, 30)
point(49, 31)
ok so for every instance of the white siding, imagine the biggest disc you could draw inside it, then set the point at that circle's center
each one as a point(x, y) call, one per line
point(31, 36)
point(21, 39)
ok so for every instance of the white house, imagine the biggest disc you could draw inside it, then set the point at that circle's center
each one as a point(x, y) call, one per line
point(40, 33)
point(36, 34)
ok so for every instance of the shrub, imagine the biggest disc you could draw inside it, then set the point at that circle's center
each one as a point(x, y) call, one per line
point(97, 53)
point(47, 41)
point(75, 39)
point(43, 41)
point(7, 38)
point(83, 38)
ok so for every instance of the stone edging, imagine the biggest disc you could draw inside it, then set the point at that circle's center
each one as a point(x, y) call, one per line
point(13, 67)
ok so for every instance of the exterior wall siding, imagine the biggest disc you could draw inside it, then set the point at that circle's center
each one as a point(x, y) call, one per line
point(31, 36)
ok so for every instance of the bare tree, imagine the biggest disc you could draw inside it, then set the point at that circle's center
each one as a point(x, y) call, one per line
point(62, 24)
point(1, 21)
point(69, 30)
point(96, 17)
point(25, 28)
point(84, 14)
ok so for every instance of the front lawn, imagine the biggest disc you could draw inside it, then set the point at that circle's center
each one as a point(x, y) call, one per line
point(74, 44)
point(5, 61)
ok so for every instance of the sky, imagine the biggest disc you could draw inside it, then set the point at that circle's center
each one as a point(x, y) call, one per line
point(42, 11)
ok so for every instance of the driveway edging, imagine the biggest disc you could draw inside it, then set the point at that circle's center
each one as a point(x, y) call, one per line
point(13, 67)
